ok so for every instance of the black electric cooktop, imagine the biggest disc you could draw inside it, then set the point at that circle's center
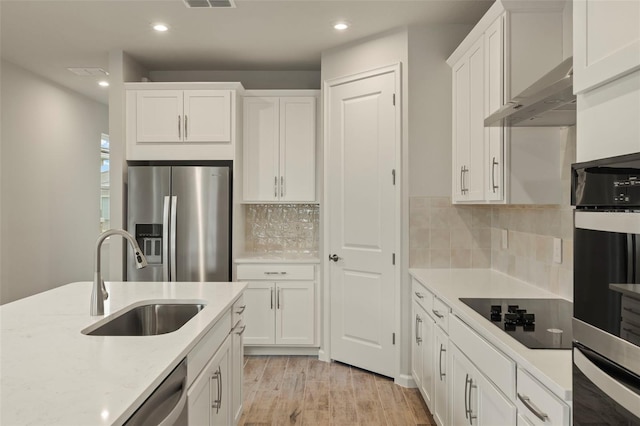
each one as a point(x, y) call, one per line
point(536, 323)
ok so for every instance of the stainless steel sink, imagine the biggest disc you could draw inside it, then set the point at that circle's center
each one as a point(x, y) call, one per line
point(148, 320)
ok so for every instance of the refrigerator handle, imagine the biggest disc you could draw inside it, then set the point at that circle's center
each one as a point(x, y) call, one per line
point(165, 239)
point(172, 253)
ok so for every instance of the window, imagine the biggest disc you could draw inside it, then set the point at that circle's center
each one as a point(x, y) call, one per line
point(105, 222)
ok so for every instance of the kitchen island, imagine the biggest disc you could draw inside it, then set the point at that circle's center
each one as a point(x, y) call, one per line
point(53, 374)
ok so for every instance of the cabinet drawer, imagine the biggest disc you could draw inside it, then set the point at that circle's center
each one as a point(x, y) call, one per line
point(421, 295)
point(207, 346)
point(535, 401)
point(276, 272)
point(441, 313)
point(491, 362)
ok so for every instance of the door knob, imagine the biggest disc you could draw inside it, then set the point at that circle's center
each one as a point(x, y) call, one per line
point(334, 257)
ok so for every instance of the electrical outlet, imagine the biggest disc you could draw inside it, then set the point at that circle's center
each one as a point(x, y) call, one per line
point(505, 239)
point(557, 250)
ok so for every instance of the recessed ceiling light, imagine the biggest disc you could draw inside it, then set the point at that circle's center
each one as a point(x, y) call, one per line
point(103, 83)
point(160, 27)
point(341, 26)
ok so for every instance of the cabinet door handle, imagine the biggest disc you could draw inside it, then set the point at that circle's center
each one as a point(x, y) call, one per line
point(282, 186)
point(471, 416)
point(531, 407)
point(241, 309)
point(442, 349)
point(418, 322)
point(419, 295)
point(179, 128)
point(185, 127)
point(278, 297)
point(494, 163)
point(275, 187)
point(438, 314)
point(272, 299)
point(466, 386)
point(461, 180)
point(217, 403)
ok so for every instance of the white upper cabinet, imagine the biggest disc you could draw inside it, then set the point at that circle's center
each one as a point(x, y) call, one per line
point(607, 77)
point(279, 147)
point(180, 121)
point(512, 46)
point(606, 41)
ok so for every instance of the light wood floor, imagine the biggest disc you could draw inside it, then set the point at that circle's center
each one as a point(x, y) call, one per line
point(299, 390)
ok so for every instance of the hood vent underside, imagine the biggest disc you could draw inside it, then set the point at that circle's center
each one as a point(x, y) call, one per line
point(227, 4)
point(549, 102)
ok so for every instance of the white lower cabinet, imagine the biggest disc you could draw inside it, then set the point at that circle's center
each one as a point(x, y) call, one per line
point(281, 312)
point(474, 399)
point(440, 392)
point(209, 397)
point(429, 351)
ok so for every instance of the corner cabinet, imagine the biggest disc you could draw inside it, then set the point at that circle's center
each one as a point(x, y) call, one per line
point(279, 146)
point(181, 121)
point(513, 45)
point(281, 304)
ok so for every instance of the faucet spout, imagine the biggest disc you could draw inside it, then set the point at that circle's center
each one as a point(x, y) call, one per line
point(99, 292)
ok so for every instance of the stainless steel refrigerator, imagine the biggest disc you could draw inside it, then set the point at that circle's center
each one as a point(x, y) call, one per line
point(180, 216)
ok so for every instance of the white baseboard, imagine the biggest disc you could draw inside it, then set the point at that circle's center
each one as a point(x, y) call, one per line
point(278, 350)
point(323, 356)
point(405, 381)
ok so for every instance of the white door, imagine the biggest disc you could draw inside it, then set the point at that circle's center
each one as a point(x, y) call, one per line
point(295, 313)
point(298, 149)
point(259, 317)
point(159, 116)
point(362, 137)
point(207, 116)
point(261, 148)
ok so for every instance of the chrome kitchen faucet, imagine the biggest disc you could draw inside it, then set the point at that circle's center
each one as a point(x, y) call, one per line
point(99, 293)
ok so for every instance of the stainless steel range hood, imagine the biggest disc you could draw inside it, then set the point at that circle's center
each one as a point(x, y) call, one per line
point(549, 102)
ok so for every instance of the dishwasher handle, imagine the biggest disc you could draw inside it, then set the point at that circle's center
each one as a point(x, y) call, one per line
point(156, 409)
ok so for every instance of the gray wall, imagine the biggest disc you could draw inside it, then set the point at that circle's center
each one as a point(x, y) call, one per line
point(50, 180)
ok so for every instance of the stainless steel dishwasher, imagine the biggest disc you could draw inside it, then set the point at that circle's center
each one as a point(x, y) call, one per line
point(167, 405)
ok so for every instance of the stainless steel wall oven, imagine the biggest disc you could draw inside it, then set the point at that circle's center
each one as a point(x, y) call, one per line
point(606, 324)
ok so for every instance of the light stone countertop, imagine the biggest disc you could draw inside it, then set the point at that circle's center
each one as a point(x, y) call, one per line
point(277, 258)
point(53, 374)
point(552, 367)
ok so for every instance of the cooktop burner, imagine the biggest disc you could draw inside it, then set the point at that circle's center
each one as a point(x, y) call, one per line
point(536, 323)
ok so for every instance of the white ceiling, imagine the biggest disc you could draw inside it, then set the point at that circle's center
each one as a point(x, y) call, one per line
point(49, 36)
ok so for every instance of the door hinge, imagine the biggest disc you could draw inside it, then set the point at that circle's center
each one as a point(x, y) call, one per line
point(393, 338)
point(393, 258)
point(393, 176)
point(394, 99)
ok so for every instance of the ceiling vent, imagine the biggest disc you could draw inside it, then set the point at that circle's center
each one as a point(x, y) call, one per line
point(228, 4)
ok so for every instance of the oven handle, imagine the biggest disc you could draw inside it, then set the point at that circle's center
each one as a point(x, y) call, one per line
point(621, 222)
point(613, 388)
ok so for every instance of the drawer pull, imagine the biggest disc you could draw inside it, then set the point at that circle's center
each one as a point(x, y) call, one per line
point(275, 273)
point(239, 333)
point(633, 311)
point(419, 295)
point(241, 309)
point(535, 410)
point(438, 314)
